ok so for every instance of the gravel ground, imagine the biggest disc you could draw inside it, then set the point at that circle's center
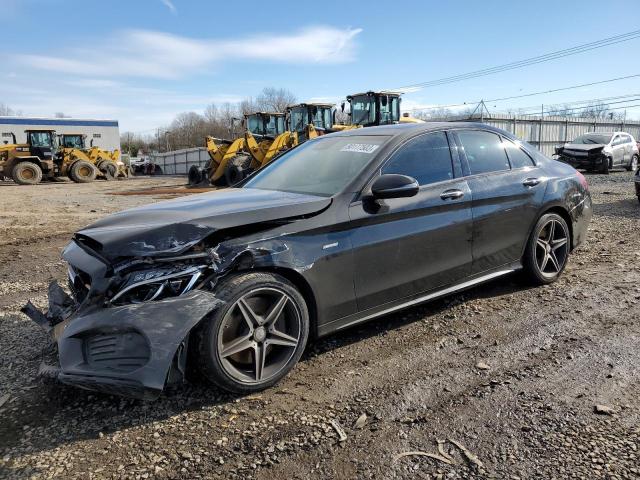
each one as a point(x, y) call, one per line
point(502, 381)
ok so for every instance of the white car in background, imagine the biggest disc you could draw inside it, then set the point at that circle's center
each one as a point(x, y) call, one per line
point(601, 151)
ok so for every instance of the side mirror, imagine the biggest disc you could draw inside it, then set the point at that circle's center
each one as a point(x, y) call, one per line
point(393, 185)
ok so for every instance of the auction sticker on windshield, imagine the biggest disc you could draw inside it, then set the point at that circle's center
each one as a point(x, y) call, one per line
point(359, 148)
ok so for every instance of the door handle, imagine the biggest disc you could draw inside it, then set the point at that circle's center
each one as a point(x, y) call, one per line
point(452, 194)
point(531, 182)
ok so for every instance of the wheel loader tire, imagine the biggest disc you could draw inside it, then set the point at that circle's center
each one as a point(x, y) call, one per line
point(83, 172)
point(237, 169)
point(195, 175)
point(27, 173)
point(109, 169)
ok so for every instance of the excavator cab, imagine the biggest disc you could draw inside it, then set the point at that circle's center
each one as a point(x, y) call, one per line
point(309, 120)
point(72, 140)
point(265, 124)
point(374, 108)
point(42, 143)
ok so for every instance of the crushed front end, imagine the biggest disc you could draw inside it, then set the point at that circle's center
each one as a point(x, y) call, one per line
point(592, 158)
point(125, 329)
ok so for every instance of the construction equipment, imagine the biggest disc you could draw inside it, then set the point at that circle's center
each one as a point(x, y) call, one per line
point(73, 159)
point(108, 164)
point(28, 163)
point(310, 120)
point(371, 108)
point(232, 160)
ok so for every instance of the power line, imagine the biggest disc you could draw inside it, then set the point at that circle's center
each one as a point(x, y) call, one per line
point(532, 94)
point(579, 102)
point(625, 37)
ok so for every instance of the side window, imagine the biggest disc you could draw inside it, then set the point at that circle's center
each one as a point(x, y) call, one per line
point(484, 151)
point(616, 141)
point(627, 139)
point(426, 158)
point(518, 157)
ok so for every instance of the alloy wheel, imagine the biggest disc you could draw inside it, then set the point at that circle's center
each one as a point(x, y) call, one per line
point(259, 335)
point(552, 248)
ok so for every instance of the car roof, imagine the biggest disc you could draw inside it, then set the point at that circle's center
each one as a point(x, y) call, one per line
point(410, 129)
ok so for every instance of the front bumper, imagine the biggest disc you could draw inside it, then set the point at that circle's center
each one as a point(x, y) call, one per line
point(588, 161)
point(130, 350)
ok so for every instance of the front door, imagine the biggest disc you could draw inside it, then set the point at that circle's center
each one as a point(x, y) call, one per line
point(405, 246)
point(617, 150)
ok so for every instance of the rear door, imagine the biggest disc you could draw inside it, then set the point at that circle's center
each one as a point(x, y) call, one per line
point(405, 246)
point(507, 189)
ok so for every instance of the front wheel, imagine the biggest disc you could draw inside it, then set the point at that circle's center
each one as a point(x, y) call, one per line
point(633, 164)
point(83, 172)
point(547, 249)
point(257, 337)
point(27, 173)
point(606, 165)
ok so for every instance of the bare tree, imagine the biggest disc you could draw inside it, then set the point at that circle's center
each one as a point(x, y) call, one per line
point(7, 111)
point(275, 99)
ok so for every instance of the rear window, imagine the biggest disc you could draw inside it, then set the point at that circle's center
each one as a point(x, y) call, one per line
point(484, 151)
point(518, 157)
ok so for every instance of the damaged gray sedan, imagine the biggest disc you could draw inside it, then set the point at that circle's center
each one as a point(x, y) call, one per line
point(337, 231)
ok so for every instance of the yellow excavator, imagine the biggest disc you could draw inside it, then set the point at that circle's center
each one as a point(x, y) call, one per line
point(369, 109)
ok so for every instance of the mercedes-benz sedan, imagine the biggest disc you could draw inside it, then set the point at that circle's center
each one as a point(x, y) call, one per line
point(340, 230)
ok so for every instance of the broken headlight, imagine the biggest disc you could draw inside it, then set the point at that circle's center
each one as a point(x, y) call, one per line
point(147, 285)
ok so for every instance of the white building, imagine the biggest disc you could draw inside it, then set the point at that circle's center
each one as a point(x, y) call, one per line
point(104, 133)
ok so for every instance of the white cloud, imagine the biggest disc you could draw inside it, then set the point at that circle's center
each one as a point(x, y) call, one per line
point(152, 54)
point(170, 6)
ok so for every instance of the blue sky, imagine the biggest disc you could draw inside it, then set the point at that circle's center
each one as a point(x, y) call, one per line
point(143, 61)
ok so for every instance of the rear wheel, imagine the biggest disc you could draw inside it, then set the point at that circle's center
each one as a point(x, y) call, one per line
point(83, 172)
point(633, 164)
point(27, 173)
point(547, 249)
point(257, 337)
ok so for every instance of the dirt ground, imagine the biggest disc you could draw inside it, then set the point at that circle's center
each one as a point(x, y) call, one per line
point(506, 376)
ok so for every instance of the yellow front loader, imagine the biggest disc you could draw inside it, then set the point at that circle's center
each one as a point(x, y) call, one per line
point(370, 109)
point(232, 160)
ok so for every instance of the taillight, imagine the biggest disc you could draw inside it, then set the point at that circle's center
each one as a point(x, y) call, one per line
point(582, 180)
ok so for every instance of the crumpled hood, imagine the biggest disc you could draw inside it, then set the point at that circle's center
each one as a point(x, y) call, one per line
point(170, 227)
point(583, 146)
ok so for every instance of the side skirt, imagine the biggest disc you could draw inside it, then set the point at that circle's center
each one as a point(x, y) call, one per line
point(407, 302)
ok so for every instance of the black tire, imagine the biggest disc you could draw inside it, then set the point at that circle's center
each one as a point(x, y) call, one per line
point(606, 165)
point(237, 169)
point(631, 167)
point(109, 169)
point(195, 175)
point(209, 362)
point(532, 270)
point(27, 173)
point(83, 172)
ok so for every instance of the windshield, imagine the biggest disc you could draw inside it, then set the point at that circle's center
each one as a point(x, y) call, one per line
point(322, 117)
point(297, 119)
point(363, 110)
point(589, 138)
point(73, 141)
point(40, 139)
point(319, 167)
